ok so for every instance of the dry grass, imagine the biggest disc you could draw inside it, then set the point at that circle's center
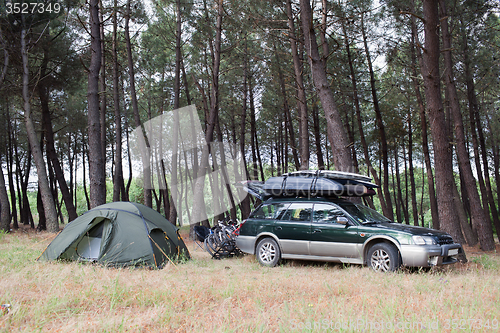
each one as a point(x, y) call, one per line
point(238, 295)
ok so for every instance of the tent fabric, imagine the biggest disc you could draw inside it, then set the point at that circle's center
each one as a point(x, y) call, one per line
point(119, 234)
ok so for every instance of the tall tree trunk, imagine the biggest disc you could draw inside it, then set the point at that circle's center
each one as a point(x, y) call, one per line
point(96, 162)
point(406, 210)
point(118, 181)
point(127, 144)
point(349, 126)
point(317, 137)
point(423, 123)
point(42, 220)
point(85, 191)
point(43, 94)
point(301, 94)
point(413, 188)
point(198, 208)
point(286, 110)
point(253, 130)
point(335, 128)
point(245, 204)
point(223, 171)
point(51, 150)
point(22, 185)
point(10, 175)
point(177, 97)
point(359, 119)
point(102, 89)
point(496, 167)
point(46, 194)
point(146, 168)
point(381, 127)
point(484, 156)
point(70, 155)
point(5, 216)
point(398, 197)
point(475, 129)
point(478, 216)
point(442, 150)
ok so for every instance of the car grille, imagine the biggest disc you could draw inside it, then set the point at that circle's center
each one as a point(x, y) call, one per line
point(445, 240)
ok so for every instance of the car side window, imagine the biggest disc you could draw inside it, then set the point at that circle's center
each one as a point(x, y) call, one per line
point(298, 212)
point(326, 213)
point(270, 211)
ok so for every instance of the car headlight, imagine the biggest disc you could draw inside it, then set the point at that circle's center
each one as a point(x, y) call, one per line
point(423, 240)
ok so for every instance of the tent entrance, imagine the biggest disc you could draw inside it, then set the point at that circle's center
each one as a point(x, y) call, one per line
point(162, 247)
point(89, 246)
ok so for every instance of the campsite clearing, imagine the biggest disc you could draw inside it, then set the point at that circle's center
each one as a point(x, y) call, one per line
point(238, 295)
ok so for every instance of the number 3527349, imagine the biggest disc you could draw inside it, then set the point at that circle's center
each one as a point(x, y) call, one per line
point(32, 7)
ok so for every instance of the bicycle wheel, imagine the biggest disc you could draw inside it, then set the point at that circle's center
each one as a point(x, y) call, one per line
point(210, 245)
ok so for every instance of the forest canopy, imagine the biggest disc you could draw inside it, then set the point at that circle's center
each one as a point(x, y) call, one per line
point(406, 92)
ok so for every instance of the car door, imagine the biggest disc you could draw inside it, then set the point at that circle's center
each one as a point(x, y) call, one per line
point(294, 228)
point(330, 238)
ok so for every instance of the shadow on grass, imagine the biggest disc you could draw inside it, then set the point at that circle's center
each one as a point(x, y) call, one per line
point(314, 263)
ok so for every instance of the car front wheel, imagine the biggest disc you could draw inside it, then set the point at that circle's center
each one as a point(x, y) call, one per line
point(383, 257)
point(268, 252)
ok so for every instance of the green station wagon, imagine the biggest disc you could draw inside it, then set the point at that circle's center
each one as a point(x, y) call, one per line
point(338, 230)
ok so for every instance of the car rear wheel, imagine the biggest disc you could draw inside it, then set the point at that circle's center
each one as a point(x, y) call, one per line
point(268, 252)
point(383, 257)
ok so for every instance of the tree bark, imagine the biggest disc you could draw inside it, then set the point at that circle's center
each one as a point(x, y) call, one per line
point(5, 216)
point(286, 110)
point(423, 124)
point(478, 215)
point(496, 167)
point(398, 197)
point(317, 137)
point(475, 129)
point(335, 128)
point(487, 182)
point(359, 119)
point(10, 175)
point(11, 172)
point(381, 129)
point(413, 188)
point(245, 204)
point(198, 209)
point(97, 178)
point(442, 150)
point(46, 194)
point(118, 181)
point(254, 174)
point(148, 197)
point(84, 180)
point(51, 150)
point(301, 94)
point(177, 96)
point(102, 89)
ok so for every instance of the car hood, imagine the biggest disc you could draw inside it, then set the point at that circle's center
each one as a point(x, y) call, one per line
point(413, 230)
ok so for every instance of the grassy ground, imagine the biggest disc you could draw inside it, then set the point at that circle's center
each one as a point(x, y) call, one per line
point(238, 295)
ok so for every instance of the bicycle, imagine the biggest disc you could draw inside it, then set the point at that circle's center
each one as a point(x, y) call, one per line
point(221, 241)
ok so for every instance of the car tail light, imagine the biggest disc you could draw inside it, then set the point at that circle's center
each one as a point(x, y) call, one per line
point(237, 231)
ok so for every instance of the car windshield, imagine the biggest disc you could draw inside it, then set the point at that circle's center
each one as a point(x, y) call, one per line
point(363, 214)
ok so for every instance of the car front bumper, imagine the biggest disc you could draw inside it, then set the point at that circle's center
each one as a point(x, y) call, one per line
point(430, 255)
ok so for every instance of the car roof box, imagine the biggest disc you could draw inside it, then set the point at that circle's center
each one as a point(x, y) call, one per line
point(312, 183)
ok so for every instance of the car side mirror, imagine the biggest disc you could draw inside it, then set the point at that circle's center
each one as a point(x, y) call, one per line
point(342, 220)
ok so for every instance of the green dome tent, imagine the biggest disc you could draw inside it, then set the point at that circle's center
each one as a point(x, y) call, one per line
point(119, 234)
